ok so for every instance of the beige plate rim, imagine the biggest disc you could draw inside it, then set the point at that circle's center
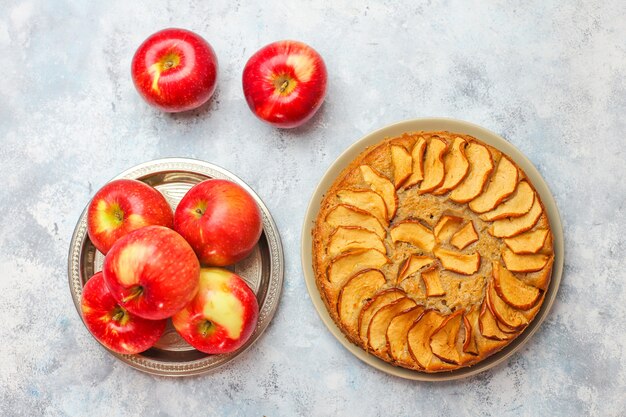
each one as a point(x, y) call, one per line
point(433, 124)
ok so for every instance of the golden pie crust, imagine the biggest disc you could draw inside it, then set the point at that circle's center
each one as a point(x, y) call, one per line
point(432, 251)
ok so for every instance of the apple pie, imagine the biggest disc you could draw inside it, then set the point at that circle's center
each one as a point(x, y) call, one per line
point(432, 251)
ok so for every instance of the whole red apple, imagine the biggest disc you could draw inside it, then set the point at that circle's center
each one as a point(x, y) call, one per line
point(152, 272)
point(112, 325)
point(175, 70)
point(285, 83)
point(122, 206)
point(220, 220)
point(223, 314)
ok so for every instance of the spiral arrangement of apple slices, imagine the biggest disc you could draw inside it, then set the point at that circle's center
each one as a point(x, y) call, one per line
point(432, 251)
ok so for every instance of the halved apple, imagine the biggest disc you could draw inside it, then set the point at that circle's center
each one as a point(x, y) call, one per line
point(514, 292)
point(446, 227)
point(344, 215)
point(503, 312)
point(443, 340)
point(432, 282)
point(413, 232)
point(464, 237)
point(529, 242)
point(513, 226)
point(417, 171)
point(418, 339)
point(524, 263)
point(377, 302)
point(488, 325)
point(397, 344)
point(413, 264)
point(366, 200)
point(377, 331)
point(455, 165)
point(434, 170)
point(355, 293)
point(502, 184)
point(347, 238)
point(347, 264)
point(480, 167)
point(517, 205)
point(469, 341)
point(382, 186)
point(402, 164)
point(458, 262)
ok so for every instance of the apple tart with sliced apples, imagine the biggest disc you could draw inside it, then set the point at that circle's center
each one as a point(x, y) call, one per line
point(432, 251)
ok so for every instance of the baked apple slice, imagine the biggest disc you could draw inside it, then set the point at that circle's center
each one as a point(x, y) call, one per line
point(488, 325)
point(347, 264)
point(527, 243)
point(377, 332)
point(458, 262)
point(455, 165)
point(377, 302)
point(380, 184)
point(517, 205)
point(413, 264)
point(524, 263)
point(480, 167)
point(397, 344)
point(432, 282)
point(446, 227)
point(434, 170)
point(366, 200)
point(469, 341)
point(418, 339)
point(465, 236)
point(443, 340)
point(503, 312)
point(356, 292)
point(513, 226)
point(415, 233)
point(502, 184)
point(513, 291)
point(417, 171)
point(345, 215)
point(347, 238)
point(402, 164)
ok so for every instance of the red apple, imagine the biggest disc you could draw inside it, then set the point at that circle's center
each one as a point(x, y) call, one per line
point(223, 314)
point(152, 272)
point(220, 220)
point(175, 70)
point(112, 325)
point(285, 83)
point(122, 206)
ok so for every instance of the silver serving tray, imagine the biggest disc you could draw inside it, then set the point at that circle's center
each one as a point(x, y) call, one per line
point(262, 270)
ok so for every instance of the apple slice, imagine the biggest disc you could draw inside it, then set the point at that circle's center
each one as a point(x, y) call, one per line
point(397, 344)
point(529, 242)
point(464, 237)
point(344, 215)
point(524, 263)
point(417, 171)
point(377, 331)
point(418, 339)
point(377, 302)
point(455, 165)
point(469, 341)
point(446, 227)
point(347, 264)
point(402, 164)
point(413, 264)
point(355, 293)
point(434, 170)
point(458, 262)
point(510, 227)
point(347, 238)
point(513, 291)
point(382, 186)
point(488, 325)
point(432, 282)
point(481, 165)
point(502, 184)
point(443, 340)
point(366, 200)
point(415, 233)
point(517, 205)
point(503, 312)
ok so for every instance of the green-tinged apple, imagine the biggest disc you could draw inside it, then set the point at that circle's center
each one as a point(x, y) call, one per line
point(122, 206)
point(222, 316)
point(112, 325)
point(152, 272)
point(175, 70)
point(285, 83)
point(220, 220)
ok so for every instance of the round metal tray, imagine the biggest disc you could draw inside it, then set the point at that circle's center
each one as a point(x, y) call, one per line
point(433, 124)
point(262, 270)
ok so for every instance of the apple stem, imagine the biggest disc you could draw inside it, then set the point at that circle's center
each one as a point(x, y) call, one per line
point(134, 293)
point(119, 315)
point(205, 327)
point(284, 86)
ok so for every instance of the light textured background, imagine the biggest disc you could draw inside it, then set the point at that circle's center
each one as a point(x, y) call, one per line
point(548, 76)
